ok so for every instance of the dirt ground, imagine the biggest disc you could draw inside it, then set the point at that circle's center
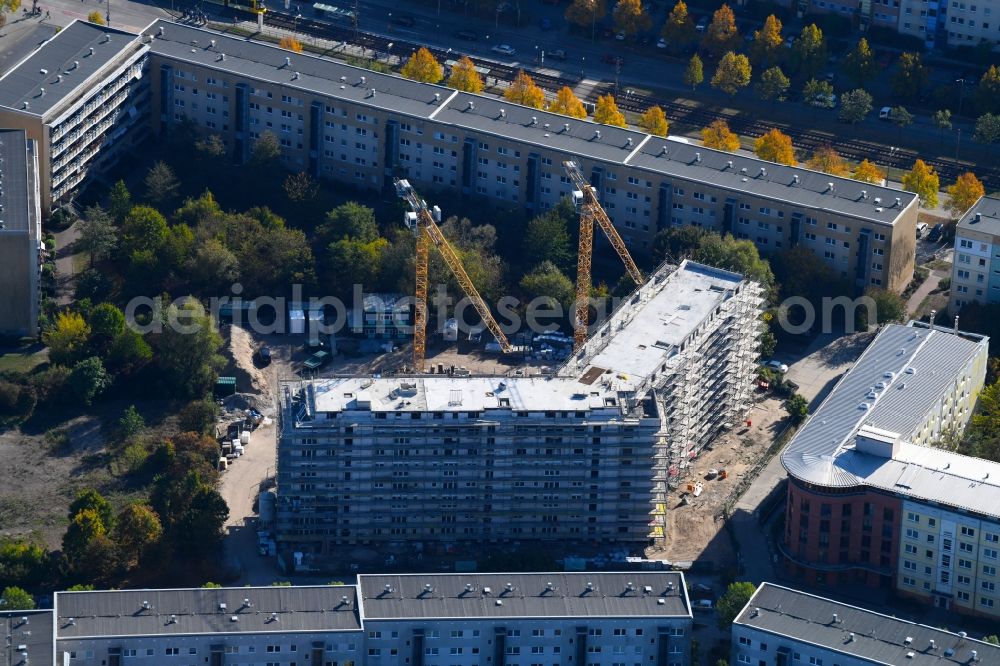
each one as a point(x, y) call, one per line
point(695, 531)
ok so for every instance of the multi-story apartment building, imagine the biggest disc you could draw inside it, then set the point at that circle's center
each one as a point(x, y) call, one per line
point(20, 235)
point(971, 23)
point(28, 638)
point(784, 627)
point(869, 496)
point(79, 95)
point(923, 19)
point(382, 315)
point(586, 454)
point(360, 127)
point(975, 272)
point(416, 619)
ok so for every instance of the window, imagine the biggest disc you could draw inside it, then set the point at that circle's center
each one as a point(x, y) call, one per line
point(968, 531)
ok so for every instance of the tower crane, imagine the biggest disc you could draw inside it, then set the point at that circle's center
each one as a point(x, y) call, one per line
point(585, 198)
point(427, 232)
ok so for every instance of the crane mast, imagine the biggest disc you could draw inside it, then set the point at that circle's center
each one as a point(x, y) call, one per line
point(428, 232)
point(591, 211)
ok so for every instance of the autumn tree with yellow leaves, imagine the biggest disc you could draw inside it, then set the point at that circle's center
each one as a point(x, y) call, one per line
point(464, 76)
point(423, 66)
point(523, 90)
point(721, 35)
point(720, 137)
point(654, 121)
point(732, 73)
point(923, 180)
point(567, 104)
point(775, 146)
point(768, 46)
point(606, 112)
point(291, 44)
point(828, 160)
point(965, 192)
point(868, 172)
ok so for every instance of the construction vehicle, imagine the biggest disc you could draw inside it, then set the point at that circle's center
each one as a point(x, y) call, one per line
point(590, 210)
point(424, 224)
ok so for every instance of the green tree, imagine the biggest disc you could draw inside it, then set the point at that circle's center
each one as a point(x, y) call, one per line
point(855, 105)
point(772, 85)
point(910, 78)
point(965, 192)
point(942, 120)
point(198, 416)
point(211, 585)
point(349, 220)
point(797, 408)
point(189, 350)
point(901, 118)
point(95, 17)
point(923, 180)
point(818, 93)
point(630, 17)
point(606, 112)
point(161, 183)
point(992, 639)
point(354, 262)
point(732, 73)
point(15, 599)
point(137, 528)
point(89, 379)
point(422, 66)
point(212, 267)
point(265, 150)
point(23, 562)
point(130, 424)
point(676, 242)
point(694, 74)
point(768, 47)
point(860, 65)
point(144, 229)
point(988, 91)
point(98, 236)
point(654, 121)
point(720, 137)
point(547, 280)
point(199, 528)
point(721, 35)
point(67, 339)
point(988, 128)
point(547, 238)
point(129, 352)
point(107, 323)
point(212, 146)
point(775, 146)
point(465, 77)
point(732, 602)
point(889, 306)
point(740, 256)
point(119, 202)
point(679, 29)
point(300, 187)
point(586, 13)
point(89, 499)
point(809, 51)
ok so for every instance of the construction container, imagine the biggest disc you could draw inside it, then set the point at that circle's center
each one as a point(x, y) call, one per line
point(244, 438)
point(223, 464)
point(225, 386)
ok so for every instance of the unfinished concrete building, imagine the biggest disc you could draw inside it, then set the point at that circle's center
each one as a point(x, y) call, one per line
point(585, 454)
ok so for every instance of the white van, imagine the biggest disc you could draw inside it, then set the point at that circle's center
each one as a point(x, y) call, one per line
point(885, 113)
point(921, 229)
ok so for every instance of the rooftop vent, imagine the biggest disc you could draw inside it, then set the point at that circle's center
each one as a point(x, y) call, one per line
point(534, 120)
point(145, 605)
point(829, 187)
point(487, 591)
point(274, 617)
point(106, 38)
point(437, 97)
point(878, 200)
point(979, 217)
point(663, 150)
point(222, 606)
point(90, 51)
point(371, 92)
point(565, 127)
point(503, 113)
point(590, 586)
point(795, 179)
point(428, 588)
point(295, 75)
point(910, 655)
point(173, 619)
point(234, 618)
point(71, 621)
point(43, 72)
point(247, 604)
point(499, 602)
point(509, 587)
point(222, 56)
point(729, 164)
point(974, 654)
point(661, 601)
point(288, 61)
point(472, 105)
point(836, 619)
point(754, 612)
point(932, 645)
point(344, 601)
point(597, 134)
point(743, 170)
point(628, 142)
point(362, 80)
point(763, 171)
point(76, 63)
point(41, 91)
point(630, 587)
point(468, 587)
point(388, 589)
point(211, 43)
point(850, 637)
point(160, 31)
point(899, 202)
point(647, 589)
point(908, 640)
point(864, 194)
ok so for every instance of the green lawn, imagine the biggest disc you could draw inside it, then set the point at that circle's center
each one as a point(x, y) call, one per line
point(23, 360)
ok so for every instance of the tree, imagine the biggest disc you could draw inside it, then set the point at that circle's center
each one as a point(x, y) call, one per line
point(547, 280)
point(88, 379)
point(423, 66)
point(188, 351)
point(988, 91)
point(464, 76)
point(67, 339)
point(212, 267)
point(547, 238)
point(129, 352)
point(144, 229)
point(889, 306)
point(290, 43)
point(23, 562)
point(212, 146)
point(15, 599)
point(107, 324)
point(768, 45)
point(523, 90)
point(199, 528)
point(855, 105)
point(355, 262)
point(772, 85)
point(677, 242)
point(567, 104)
point(586, 13)
point(732, 602)
point(827, 160)
point(300, 187)
point(901, 118)
point(130, 424)
point(679, 29)
point(860, 65)
point(720, 137)
point(797, 408)
point(740, 256)
point(732, 73)
point(265, 150)
point(630, 17)
point(721, 35)
point(923, 180)
point(9, 5)
point(161, 183)
point(98, 235)
point(90, 499)
point(965, 192)
point(95, 18)
point(694, 74)
point(992, 639)
point(119, 202)
point(818, 93)
point(868, 172)
point(606, 112)
point(910, 77)
point(809, 51)
point(988, 128)
point(198, 416)
point(84, 527)
point(942, 120)
point(348, 220)
point(654, 121)
point(137, 528)
point(775, 146)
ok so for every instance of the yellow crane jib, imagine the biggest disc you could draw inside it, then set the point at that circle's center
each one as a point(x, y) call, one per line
point(424, 224)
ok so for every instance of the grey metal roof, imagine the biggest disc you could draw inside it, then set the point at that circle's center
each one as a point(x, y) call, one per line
point(66, 55)
point(988, 210)
point(915, 365)
point(14, 183)
point(197, 611)
point(27, 633)
point(313, 74)
point(877, 638)
point(397, 597)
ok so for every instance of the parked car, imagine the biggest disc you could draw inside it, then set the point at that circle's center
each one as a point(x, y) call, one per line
point(935, 235)
point(556, 54)
point(885, 113)
point(661, 43)
point(921, 229)
point(702, 605)
point(467, 35)
point(504, 49)
point(264, 354)
point(620, 36)
point(776, 365)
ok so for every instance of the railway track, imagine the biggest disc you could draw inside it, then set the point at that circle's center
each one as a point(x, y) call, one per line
point(808, 140)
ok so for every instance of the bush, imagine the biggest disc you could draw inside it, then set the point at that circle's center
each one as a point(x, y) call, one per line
point(198, 416)
point(944, 284)
point(133, 459)
point(51, 385)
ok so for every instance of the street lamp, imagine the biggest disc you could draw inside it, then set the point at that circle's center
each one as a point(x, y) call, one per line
point(958, 142)
point(961, 94)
